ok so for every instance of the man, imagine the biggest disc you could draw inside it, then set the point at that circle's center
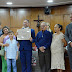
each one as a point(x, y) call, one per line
point(68, 38)
point(26, 49)
point(43, 42)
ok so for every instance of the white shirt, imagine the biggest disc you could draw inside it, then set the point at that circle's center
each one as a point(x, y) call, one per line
point(11, 50)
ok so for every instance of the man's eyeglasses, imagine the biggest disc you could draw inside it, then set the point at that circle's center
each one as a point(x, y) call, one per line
point(42, 26)
point(24, 22)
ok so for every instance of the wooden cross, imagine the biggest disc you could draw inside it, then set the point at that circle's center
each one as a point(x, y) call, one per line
point(38, 23)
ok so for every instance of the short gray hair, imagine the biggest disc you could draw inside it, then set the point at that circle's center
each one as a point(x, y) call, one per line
point(44, 23)
point(26, 20)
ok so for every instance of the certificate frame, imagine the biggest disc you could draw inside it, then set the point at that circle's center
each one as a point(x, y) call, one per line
point(24, 34)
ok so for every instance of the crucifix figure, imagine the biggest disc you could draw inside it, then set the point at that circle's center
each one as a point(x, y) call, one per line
point(38, 23)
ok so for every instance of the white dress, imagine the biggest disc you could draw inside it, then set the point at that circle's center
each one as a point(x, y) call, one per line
point(57, 52)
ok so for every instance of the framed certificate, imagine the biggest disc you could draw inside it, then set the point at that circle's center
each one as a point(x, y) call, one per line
point(24, 34)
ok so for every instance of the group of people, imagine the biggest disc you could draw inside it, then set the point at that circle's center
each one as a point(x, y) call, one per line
point(50, 48)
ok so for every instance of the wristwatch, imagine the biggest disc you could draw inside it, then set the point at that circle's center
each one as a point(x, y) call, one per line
point(44, 47)
point(69, 42)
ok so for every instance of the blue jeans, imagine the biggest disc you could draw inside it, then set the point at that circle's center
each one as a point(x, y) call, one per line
point(13, 61)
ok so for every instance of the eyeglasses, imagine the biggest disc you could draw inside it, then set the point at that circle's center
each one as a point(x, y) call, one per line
point(42, 26)
point(24, 22)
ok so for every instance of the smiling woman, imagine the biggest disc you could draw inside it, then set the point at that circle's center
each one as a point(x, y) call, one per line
point(3, 39)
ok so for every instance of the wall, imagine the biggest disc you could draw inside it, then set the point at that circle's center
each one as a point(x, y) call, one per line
point(14, 17)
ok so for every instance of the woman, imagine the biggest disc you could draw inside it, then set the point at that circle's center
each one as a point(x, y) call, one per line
point(57, 50)
point(3, 39)
point(48, 28)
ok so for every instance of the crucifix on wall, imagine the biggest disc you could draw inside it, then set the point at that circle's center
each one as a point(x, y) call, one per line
point(38, 23)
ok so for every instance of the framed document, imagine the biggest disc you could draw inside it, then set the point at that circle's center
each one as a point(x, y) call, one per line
point(24, 34)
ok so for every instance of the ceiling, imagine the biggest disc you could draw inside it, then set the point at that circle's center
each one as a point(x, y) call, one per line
point(33, 3)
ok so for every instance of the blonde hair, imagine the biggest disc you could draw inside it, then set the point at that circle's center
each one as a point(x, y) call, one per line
point(48, 24)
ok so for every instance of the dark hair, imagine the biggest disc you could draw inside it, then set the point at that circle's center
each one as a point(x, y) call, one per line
point(60, 26)
point(5, 27)
point(11, 32)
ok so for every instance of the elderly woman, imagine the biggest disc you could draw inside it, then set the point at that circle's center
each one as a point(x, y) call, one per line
point(57, 49)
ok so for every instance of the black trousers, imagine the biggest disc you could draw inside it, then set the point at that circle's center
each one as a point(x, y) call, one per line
point(45, 60)
point(70, 57)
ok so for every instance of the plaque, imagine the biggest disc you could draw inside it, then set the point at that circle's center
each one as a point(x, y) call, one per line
point(24, 34)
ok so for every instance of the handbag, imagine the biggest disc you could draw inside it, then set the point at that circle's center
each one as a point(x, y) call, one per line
point(2, 51)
